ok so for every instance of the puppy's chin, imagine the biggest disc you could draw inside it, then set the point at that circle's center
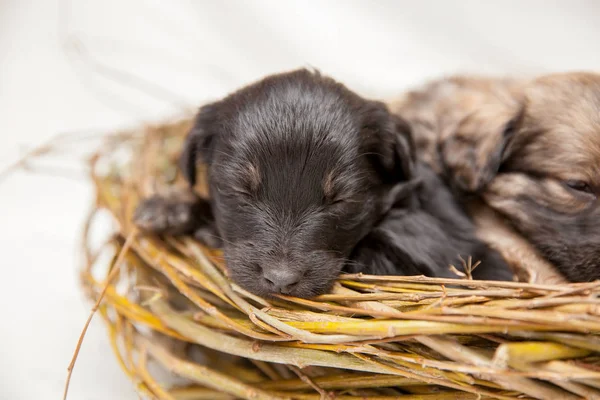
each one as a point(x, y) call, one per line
point(561, 225)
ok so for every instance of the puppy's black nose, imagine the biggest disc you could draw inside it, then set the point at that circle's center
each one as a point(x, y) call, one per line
point(281, 279)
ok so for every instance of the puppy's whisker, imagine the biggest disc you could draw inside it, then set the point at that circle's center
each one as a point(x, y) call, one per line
point(220, 238)
point(326, 252)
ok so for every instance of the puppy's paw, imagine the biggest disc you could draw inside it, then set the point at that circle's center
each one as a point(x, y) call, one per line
point(162, 215)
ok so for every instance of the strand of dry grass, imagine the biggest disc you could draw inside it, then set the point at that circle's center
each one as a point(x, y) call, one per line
point(112, 275)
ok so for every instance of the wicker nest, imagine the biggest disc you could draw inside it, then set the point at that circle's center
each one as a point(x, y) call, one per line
point(168, 304)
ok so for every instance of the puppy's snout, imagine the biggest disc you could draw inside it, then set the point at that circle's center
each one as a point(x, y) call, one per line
point(281, 279)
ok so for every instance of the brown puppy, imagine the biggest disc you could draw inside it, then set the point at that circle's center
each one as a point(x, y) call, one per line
point(530, 151)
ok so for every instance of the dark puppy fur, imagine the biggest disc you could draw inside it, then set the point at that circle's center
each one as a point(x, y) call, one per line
point(300, 170)
point(425, 231)
point(529, 150)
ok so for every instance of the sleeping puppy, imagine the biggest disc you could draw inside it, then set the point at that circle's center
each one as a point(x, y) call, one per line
point(528, 152)
point(300, 171)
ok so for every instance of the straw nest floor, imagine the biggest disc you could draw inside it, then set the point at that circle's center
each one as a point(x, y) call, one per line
point(169, 306)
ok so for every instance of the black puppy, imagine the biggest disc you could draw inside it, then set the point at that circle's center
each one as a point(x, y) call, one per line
point(301, 170)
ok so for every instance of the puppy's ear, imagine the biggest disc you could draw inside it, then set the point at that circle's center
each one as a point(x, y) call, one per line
point(400, 195)
point(473, 149)
point(199, 143)
point(388, 143)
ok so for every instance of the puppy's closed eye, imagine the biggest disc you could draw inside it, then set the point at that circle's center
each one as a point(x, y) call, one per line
point(241, 192)
point(236, 194)
point(333, 193)
point(245, 185)
point(339, 201)
point(580, 186)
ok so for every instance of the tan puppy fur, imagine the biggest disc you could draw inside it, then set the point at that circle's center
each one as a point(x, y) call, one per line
point(527, 149)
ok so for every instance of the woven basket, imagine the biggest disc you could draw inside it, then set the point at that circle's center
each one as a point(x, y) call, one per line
point(169, 305)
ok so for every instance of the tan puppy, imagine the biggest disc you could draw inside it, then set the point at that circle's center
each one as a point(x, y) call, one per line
point(528, 152)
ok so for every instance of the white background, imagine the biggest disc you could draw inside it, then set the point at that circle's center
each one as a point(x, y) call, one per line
point(99, 65)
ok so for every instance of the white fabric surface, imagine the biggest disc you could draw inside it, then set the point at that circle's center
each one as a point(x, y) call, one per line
point(75, 69)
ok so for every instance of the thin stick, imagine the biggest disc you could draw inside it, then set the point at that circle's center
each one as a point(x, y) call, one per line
point(110, 277)
point(306, 379)
point(43, 148)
